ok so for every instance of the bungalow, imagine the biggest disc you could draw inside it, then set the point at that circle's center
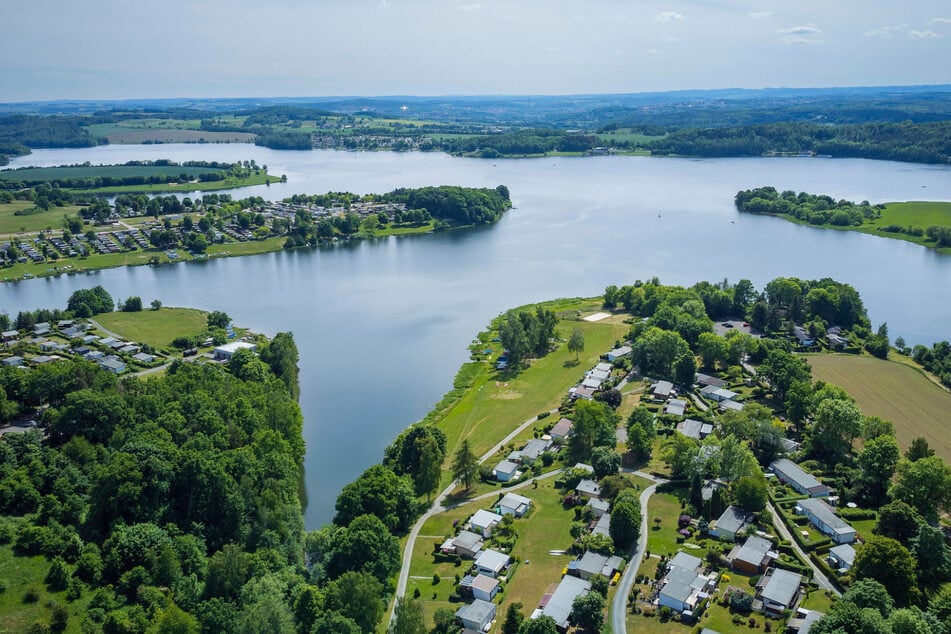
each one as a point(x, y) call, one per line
point(675, 407)
point(483, 522)
point(561, 430)
point(532, 450)
point(824, 518)
point(837, 342)
point(730, 523)
point(683, 586)
point(476, 615)
point(803, 337)
point(562, 600)
point(591, 383)
point(491, 562)
point(584, 467)
point(695, 429)
point(731, 405)
point(602, 526)
point(143, 357)
point(49, 346)
point(41, 328)
point(803, 621)
point(13, 362)
point(581, 392)
point(514, 504)
point(42, 359)
point(793, 475)
point(94, 355)
point(618, 353)
point(225, 352)
point(753, 557)
point(71, 333)
point(483, 588)
point(718, 394)
point(600, 375)
point(604, 367)
point(112, 364)
point(592, 563)
point(598, 507)
point(9, 336)
point(706, 379)
point(90, 339)
point(65, 323)
point(588, 489)
point(842, 557)
point(130, 349)
point(661, 390)
point(465, 544)
point(505, 471)
point(778, 590)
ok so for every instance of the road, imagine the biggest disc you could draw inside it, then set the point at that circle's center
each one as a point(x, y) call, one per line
point(619, 604)
point(821, 580)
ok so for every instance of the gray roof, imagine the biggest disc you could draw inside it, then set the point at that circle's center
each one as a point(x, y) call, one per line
point(663, 388)
point(795, 473)
point(478, 611)
point(603, 526)
point(468, 540)
point(706, 379)
point(592, 562)
point(514, 500)
point(733, 519)
point(507, 466)
point(781, 586)
point(561, 601)
point(690, 428)
point(754, 550)
point(588, 486)
point(598, 504)
point(684, 560)
point(826, 515)
point(845, 553)
point(492, 560)
point(675, 407)
point(562, 427)
point(534, 448)
point(484, 518)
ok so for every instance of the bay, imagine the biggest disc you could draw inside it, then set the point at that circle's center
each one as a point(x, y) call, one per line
point(383, 325)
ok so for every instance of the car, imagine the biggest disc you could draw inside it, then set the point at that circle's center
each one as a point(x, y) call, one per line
point(29, 423)
point(727, 324)
point(746, 325)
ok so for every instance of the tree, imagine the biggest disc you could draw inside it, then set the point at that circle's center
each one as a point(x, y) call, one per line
point(576, 342)
point(281, 356)
point(919, 449)
point(656, 351)
point(625, 525)
point(587, 611)
point(218, 319)
point(877, 460)
point(513, 618)
point(712, 349)
point(885, 560)
point(594, 425)
point(640, 431)
point(678, 453)
point(868, 593)
point(605, 461)
point(407, 617)
point(174, 620)
point(132, 304)
point(750, 493)
point(266, 615)
point(357, 595)
point(378, 491)
point(541, 625)
point(925, 485)
point(465, 464)
point(364, 545)
point(430, 466)
point(934, 564)
point(838, 422)
point(156, 304)
point(334, 623)
point(227, 572)
point(898, 521)
point(90, 301)
point(685, 369)
point(782, 369)
point(514, 339)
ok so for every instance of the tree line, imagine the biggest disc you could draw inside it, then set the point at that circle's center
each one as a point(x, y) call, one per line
point(521, 143)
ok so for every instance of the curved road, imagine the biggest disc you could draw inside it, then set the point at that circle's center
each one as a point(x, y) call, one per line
point(619, 604)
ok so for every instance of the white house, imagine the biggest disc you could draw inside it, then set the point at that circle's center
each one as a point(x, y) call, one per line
point(476, 615)
point(824, 518)
point(618, 353)
point(561, 430)
point(482, 587)
point(562, 600)
point(778, 590)
point(514, 504)
point(842, 557)
point(588, 489)
point(793, 475)
point(483, 522)
point(225, 352)
point(732, 521)
point(491, 563)
point(683, 586)
point(505, 471)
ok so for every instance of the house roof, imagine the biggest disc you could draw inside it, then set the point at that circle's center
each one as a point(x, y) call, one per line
point(691, 428)
point(588, 486)
point(844, 553)
point(729, 404)
point(483, 518)
point(603, 525)
point(562, 600)
point(231, 348)
point(781, 586)
point(663, 388)
point(824, 513)
point(478, 611)
point(598, 504)
point(733, 519)
point(754, 550)
point(795, 473)
point(468, 540)
point(534, 448)
point(484, 583)
point(506, 466)
point(676, 407)
point(492, 560)
point(561, 428)
point(586, 467)
point(604, 367)
point(683, 560)
point(592, 562)
point(620, 352)
point(591, 383)
point(718, 392)
point(706, 379)
point(514, 500)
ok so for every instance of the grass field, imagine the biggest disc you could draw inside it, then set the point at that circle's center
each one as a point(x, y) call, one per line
point(893, 391)
point(95, 171)
point(90, 263)
point(21, 573)
point(155, 327)
point(911, 214)
point(52, 218)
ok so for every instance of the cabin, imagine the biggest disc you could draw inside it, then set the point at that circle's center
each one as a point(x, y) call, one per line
point(778, 590)
point(476, 615)
point(561, 430)
point(482, 588)
point(753, 557)
point(482, 522)
point(591, 564)
point(683, 587)
point(842, 557)
point(588, 489)
point(618, 353)
point(225, 352)
point(732, 522)
point(562, 600)
point(695, 429)
point(661, 390)
point(675, 407)
point(792, 474)
point(514, 504)
point(491, 563)
point(824, 518)
point(505, 471)
point(466, 544)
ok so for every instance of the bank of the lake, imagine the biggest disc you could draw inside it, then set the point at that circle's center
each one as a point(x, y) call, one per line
point(383, 325)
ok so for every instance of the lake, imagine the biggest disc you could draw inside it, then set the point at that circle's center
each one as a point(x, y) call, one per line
point(382, 326)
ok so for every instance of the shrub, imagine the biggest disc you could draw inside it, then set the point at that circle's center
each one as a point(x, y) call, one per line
point(32, 595)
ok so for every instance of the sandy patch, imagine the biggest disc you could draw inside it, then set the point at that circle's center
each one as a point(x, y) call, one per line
point(597, 317)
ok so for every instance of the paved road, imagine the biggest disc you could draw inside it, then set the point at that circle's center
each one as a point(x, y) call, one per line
point(821, 580)
point(619, 604)
point(99, 326)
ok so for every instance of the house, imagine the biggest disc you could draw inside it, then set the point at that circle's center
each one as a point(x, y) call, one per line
point(793, 475)
point(41, 328)
point(675, 407)
point(143, 357)
point(706, 379)
point(505, 471)
point(130, 349)
point(118, 345)
point(753, 557)
point(592, 563)
point(661, 390)
point(598, 507)
point(584, 467)
point(731, 405)
point(581, 392)
point(112, 364)
point(41, 359)
point(718, 394)
point(561, 430)
point(90, 339)
point(778, 590)
point(602, 526)
point(108, 341)
point(824, 518)
point(514, 504)
point(695, 429)
point(225, 352)
point(466, 544)
point(730, 523)
point(491, 562)
point(803, 337)
point(604, 367)
point(591, 383)
point(483, 522)
point(618, 353)
point(683, 586)
point(476, 615)
point(482, 587)
point(49, 346)
point(842, 557)
point(803, 621)
point(9, 336)
point(530, 452)
point(65, 323)
point(588, 489)
point(562, 600)
point(837, 342)
point(94, 355)
point(600, 375)
point(13, 362)
point(788, 445)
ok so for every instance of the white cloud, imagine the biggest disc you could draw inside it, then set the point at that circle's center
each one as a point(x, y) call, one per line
point(940, 21)
point(756, 15)
point(803, 34)
point(922, 35)
point(902, 30)
point(470, 7)
point(668, 16)
point(653, 51)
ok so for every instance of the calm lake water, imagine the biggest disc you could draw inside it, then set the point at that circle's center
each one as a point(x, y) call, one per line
point(382, 326)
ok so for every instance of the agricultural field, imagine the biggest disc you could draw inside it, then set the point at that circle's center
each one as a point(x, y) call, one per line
point(158, 328)
point(911, 214)
point(893, 391)
point(136, 131)
point(52, 218)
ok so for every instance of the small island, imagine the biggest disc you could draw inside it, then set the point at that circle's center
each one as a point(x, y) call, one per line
point(924, 223)
point(75, 235)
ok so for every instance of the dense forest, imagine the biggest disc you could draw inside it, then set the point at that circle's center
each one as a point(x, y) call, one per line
point(12, 180)
point(19, 133)
point(521, 143)
point(914, 142)
point(809, 208)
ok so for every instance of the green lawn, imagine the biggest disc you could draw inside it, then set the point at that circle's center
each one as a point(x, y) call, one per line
point(21, 573)
point(155, 327)
point(51, 218)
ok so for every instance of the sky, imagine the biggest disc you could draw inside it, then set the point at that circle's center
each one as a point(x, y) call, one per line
point(121, 49)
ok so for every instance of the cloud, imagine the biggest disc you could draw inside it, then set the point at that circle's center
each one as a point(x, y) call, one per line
point(922, 35)
point(891, 32)
point(470, 7)
point(803, 34)
point(653, 51)
point(939, 21)
point(668, 16)
point(756, 15)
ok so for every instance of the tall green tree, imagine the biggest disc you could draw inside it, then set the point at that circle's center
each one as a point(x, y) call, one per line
point(625, 526)
point(407, 617)
point(378, 491)
point(877, 460)
point(593, 425)
point(282, 357)
point(465, 464)
point(925, 485)
point(359, 596)
point(640, 431)
point(587, 612)
point(888, 562)
point(576, 342)
point(513, 618)
point(430, 466)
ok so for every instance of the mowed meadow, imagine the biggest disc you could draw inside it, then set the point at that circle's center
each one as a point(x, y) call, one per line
point(895, 392)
